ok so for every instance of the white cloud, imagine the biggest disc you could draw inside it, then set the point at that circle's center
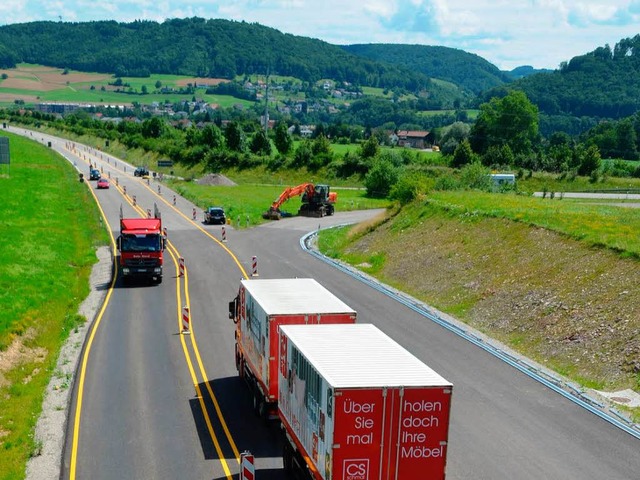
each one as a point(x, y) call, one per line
point(508, 33)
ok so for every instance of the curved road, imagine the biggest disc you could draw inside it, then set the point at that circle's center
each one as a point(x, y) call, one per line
point(158, 404)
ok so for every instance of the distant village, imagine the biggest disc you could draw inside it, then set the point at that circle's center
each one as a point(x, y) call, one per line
point(184, 114)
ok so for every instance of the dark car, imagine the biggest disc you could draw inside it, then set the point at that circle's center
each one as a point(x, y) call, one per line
point(94, 174)
point(213, 215)
point(103, 183)
point(141, 172)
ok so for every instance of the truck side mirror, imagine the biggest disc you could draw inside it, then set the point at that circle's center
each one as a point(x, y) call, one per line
point(119, 243)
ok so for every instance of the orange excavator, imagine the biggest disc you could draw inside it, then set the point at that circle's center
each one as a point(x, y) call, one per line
point(317, 201)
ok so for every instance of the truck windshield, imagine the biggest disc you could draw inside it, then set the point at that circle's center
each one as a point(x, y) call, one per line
point(141, 243)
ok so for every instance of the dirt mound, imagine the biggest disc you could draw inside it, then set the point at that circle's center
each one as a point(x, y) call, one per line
point(215, 179)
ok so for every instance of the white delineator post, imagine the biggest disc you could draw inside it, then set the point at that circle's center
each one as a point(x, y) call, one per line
point(224, 235)
point(181, 266)
point(254, 266)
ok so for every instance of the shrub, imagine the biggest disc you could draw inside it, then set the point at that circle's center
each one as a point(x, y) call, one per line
point(380, 179)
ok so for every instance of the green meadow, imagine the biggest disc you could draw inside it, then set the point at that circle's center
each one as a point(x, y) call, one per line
point(50, 227)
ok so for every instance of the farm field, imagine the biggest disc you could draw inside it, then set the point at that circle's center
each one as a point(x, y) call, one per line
point(32, 84)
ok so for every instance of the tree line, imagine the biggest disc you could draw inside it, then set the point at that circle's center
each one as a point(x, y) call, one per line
point(193, 46)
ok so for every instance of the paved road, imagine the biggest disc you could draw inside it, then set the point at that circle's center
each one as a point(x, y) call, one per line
point(151, 397)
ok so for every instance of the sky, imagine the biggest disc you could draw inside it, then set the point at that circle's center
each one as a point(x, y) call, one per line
point(507, 33)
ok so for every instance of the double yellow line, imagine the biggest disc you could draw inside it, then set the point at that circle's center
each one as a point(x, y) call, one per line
point(173, 251)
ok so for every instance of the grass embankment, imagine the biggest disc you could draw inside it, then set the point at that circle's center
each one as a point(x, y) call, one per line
point(247, 202)
point(556, 280)
point(50, 227)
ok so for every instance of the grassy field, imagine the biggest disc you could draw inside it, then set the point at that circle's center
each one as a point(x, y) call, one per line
point(594, 224)
point(35, 83)
point(49, 227)
point(247, 202)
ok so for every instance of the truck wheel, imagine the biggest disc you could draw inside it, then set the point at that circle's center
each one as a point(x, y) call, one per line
point(238, 359)
point(241, 368)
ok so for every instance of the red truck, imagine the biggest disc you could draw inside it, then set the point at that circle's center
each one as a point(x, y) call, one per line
point(355, 405)
point(141, 245)
point(260, 307)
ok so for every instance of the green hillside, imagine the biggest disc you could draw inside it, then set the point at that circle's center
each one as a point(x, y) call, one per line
point(470, 72)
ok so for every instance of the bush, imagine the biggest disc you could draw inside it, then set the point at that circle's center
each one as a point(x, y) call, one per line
point(446, 182)
point(476, 177)
point(408, 188)
point(380, 179)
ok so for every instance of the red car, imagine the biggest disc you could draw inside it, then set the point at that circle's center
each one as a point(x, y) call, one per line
point(103, 183)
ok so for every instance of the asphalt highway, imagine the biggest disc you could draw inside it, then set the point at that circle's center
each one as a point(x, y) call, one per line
point(150, 402)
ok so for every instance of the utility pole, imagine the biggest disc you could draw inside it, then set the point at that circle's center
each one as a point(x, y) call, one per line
point(266, 106)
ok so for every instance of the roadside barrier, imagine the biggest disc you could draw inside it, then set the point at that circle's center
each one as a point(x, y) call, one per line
point(254, 266)
point(247, 468)
point(185, 321)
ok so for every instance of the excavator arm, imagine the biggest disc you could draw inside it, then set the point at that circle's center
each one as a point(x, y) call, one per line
point(317, 200)
point(274, 211)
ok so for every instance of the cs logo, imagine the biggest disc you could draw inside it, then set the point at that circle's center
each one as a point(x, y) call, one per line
point(356, 469)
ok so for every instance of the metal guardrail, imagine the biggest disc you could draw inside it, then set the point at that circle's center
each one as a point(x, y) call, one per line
point(573, 392)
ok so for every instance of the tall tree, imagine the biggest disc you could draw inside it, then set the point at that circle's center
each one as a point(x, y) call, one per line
point(283, 140)
point(260, 144)
point(511, 120)
point(234, 137)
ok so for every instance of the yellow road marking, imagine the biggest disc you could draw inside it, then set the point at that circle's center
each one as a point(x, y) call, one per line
point(174, 253)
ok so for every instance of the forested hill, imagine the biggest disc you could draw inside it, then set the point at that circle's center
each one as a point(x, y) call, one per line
point(604, 83)
point(195, 46)
point(467, 70)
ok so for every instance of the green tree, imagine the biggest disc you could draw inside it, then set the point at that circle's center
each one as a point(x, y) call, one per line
point(234, 136)
point(462, 155)
point(153, 127)
point(626, 140)
point(260, 144)
point(283, 140)
point(144, 89)
point(370, 148)
point(380, 179)
point(303, 154)
point(511, 120)
point(321, 145)
point(452, 136)
point(158, 84)
point(212, 136)
point(590, 161)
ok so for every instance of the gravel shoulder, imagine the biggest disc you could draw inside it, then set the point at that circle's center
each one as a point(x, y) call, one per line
point(52, 425)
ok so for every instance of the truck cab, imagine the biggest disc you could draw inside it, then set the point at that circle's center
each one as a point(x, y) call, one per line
point(141, 245)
